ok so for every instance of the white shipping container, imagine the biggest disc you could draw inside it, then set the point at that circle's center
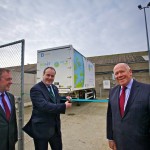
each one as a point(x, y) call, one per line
point(74, 72)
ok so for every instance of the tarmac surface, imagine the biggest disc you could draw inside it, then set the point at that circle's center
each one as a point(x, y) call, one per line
point(83, 127)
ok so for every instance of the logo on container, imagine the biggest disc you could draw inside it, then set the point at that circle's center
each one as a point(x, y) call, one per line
point(45, 64)
point(56, 64)
point(42, 54)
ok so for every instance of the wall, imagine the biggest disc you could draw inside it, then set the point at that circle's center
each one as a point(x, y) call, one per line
point(29, 81)
point(104, 72)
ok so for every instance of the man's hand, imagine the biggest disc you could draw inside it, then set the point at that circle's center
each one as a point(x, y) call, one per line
point(112, 144)
point(68, 104)
point(69, 98)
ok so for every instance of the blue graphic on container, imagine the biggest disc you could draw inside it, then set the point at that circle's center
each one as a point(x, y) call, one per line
point(78, 70)
point(42, 54)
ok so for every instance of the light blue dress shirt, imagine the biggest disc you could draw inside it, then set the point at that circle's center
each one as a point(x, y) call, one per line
point(7, 101)
point(127, 92)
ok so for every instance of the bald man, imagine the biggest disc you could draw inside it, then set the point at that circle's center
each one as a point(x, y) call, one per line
point(128, 126)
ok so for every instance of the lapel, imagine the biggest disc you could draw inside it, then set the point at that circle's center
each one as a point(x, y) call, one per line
point(117, 97)
point(11, 100)
point(133, 93)
point(2, 112)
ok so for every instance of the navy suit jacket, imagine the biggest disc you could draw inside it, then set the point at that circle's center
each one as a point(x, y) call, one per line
point(45, 118)
point(8, 129)
point(133, 130)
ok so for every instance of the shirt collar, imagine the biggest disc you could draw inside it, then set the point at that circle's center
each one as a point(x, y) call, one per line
point(129, 84)
point(48, 86)
point(2, 92)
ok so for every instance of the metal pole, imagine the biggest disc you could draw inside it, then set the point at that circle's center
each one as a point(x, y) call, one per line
point(21, 103)
point(20, 140)
point(147, 37)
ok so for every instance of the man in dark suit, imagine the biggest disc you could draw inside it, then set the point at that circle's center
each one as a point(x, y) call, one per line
point(8, 122)
point(44, 125)
point(129, 129)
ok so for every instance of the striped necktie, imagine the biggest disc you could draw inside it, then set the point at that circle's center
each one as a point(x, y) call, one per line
point(7, 111)
point(51, 93)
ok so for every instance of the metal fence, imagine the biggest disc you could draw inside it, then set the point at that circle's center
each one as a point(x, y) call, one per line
point(12, 54)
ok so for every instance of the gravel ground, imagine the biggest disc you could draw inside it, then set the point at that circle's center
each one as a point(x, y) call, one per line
point(83, 127)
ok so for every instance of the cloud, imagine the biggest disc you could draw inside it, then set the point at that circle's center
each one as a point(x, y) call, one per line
point(94, 27)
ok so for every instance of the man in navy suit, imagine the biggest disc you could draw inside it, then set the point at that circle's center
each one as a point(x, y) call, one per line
point(132, 129)
point(44, 125)
point(8, 122)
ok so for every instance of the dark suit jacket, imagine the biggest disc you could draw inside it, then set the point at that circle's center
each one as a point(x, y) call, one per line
point(133, 130)
point(8, 129)
point(45, 119)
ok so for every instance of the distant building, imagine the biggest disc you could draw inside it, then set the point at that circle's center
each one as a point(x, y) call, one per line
point(138, 61)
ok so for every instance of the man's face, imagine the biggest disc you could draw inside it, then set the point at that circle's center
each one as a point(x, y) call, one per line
point(48, 77)
point(123, 74)
point(5, 81)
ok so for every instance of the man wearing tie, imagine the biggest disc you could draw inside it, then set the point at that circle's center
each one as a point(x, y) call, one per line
point(8, 122)
point(44, 125)
point(128, 114)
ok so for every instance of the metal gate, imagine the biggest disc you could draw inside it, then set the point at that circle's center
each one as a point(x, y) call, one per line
point(11, 57)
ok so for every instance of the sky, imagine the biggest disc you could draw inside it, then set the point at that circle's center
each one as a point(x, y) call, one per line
point(92, 27)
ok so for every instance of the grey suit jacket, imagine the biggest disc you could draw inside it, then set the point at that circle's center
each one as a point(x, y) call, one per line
point(133, 130)
point(45, 118)
point(8, 129)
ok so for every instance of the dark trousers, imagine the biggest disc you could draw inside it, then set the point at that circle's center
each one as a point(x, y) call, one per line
point(55, 143)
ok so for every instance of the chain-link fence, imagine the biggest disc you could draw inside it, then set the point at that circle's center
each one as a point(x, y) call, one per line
point(12, 56)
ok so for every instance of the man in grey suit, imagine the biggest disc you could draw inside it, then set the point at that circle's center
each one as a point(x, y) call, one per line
point(44, 126)
point(8, 123)
point(131, 130)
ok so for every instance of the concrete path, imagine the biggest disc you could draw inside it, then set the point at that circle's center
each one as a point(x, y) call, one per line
point(83, 127)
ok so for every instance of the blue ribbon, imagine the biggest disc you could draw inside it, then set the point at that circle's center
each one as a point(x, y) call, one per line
point(89, 100)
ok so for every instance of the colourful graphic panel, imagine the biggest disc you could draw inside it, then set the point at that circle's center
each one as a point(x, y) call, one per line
point(78, 70)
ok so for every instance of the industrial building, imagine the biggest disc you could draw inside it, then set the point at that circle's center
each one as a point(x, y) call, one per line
point(104, 77)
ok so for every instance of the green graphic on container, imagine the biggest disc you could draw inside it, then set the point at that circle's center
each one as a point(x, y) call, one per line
point(56, 64)
point(78, 70)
